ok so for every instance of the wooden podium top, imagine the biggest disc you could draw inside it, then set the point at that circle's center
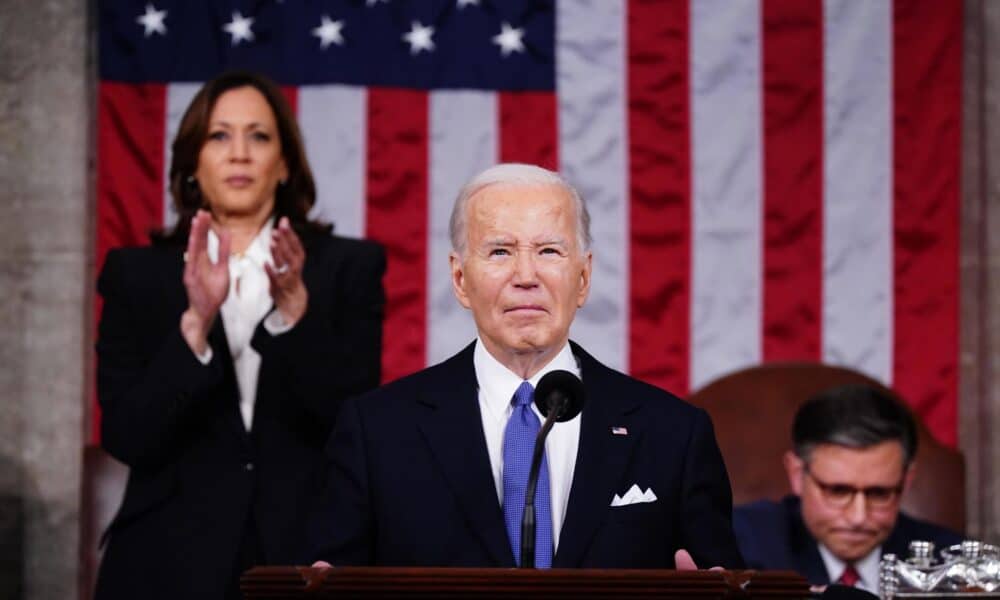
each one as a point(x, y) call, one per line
point(272, 583)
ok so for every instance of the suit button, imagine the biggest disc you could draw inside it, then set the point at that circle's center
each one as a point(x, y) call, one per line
point(248, 466)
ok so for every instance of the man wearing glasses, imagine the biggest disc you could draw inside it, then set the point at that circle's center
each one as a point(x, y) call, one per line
point(852, 459)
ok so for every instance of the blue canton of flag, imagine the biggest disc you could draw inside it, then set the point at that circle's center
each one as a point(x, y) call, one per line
point(425, 44)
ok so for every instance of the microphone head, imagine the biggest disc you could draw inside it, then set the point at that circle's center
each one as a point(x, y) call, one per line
point(562, 390)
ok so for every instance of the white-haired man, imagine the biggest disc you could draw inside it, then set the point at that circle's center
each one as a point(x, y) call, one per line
point(429, 470)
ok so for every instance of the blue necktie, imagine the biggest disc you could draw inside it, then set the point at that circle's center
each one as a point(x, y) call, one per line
point(518, 445)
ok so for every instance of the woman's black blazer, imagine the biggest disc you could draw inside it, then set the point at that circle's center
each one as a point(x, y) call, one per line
point(196, 474)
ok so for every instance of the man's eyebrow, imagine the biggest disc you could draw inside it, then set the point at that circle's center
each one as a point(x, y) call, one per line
point(498, 241)
point(557, 241)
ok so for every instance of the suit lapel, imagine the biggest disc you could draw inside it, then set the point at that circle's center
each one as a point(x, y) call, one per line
point(601, 459)
point(898, 542)
point(805, 548)
point(453, 430)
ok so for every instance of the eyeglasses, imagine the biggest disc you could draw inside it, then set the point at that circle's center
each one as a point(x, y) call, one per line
point(839, 495)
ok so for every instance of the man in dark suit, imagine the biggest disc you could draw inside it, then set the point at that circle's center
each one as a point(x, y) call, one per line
point(852, 461)
point(431, 469)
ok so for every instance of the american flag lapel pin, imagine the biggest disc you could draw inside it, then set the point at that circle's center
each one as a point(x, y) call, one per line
point(619, 430)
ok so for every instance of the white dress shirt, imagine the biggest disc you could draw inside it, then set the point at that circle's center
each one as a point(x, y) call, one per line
point(248, 301)
point(497, 385)
point(866, 567)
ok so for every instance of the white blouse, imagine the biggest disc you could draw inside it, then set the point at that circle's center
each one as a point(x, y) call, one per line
point(247, 302)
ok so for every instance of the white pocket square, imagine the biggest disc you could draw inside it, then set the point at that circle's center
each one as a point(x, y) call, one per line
point(634, 495)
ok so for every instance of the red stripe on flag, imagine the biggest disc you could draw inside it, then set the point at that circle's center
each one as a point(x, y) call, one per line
point(529, 128)
point(660, 190)
point(927, 83)
point(130, 130)
point(793, 179)
point(396, 216)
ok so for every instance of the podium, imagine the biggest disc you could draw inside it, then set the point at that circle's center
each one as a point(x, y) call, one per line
point(274, 583)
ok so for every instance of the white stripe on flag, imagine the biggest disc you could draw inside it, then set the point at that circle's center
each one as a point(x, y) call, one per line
point(179, 96)
point(463, 141)
point(333, 120)
point(726, 231)
point(593, 148)
point(857, 231)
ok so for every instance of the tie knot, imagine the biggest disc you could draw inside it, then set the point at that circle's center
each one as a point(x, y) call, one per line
point(850, 576)
point(524, 394)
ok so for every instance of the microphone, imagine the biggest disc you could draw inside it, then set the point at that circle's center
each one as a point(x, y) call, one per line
point(559, 397)
point(561, 390)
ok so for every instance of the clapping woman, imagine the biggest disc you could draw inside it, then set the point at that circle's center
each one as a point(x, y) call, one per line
point(224, 352)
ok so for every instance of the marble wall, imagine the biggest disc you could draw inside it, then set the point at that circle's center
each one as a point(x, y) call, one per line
point(45, 252)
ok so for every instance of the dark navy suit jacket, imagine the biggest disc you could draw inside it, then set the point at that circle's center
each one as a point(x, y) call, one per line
point(772, 535)
point(410, 480)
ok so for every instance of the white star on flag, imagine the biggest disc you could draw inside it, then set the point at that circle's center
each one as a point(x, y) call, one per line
point(239, 28)
point(329, 32)
point(152, 21)
point(464, 3)
point(419, 38)
point(509, 39)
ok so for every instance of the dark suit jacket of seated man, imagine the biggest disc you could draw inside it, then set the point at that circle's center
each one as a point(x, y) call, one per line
point(414, 480)
point(773, 536)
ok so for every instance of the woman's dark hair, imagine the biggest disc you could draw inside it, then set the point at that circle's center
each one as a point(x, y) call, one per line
point(293, 199)
point(855, 416)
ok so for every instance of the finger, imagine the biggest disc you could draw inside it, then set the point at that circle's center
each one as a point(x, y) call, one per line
point(225, 241)
point(290, 249)
point(188, 277)
point(683, 561)
point(199, 234)
point(293, 238)
point(281, 247)
point(189, 250)
point(279, 260)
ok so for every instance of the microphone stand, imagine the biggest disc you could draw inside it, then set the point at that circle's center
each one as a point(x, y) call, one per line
point(528, 517)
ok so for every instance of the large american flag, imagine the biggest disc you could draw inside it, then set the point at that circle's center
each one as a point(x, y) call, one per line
point(769, 179)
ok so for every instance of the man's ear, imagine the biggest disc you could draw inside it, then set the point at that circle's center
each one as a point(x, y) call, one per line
point(794, 468)
point(911, 471)
point(458, 279)
point(588, 266)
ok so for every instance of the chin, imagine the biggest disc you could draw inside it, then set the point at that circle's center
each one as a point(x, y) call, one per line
point(521, 346)
point(529, 344)
point(241, 201)
point(852, 552)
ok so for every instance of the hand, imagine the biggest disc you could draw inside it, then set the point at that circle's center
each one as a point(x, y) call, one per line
point(287, 288)
point(206, 284)
point(684, 562)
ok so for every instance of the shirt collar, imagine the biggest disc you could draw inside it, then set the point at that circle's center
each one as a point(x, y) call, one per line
point(259, 250)
point(867, 566)
point(499, 383)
